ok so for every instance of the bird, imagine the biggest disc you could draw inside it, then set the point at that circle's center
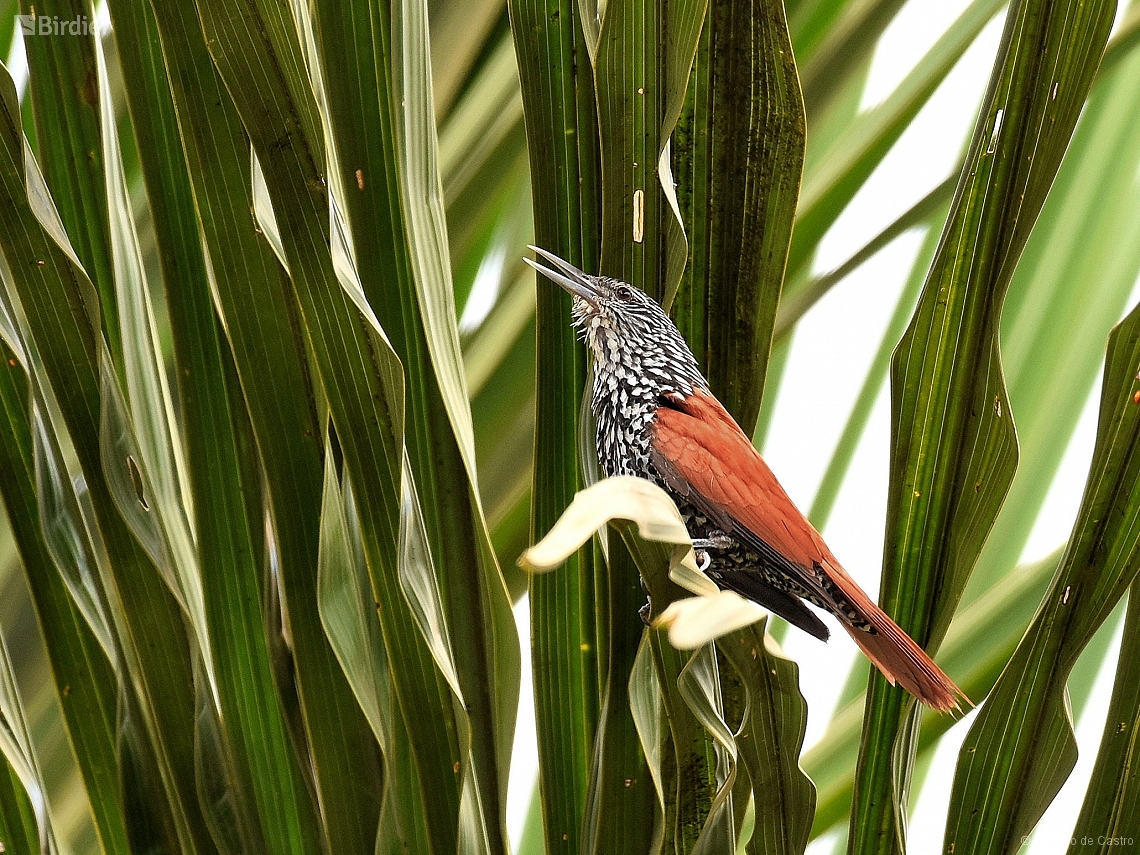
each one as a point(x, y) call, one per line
point(656, 418)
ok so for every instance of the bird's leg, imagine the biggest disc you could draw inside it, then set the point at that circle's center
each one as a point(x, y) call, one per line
point(702, 545)
point(716, 540)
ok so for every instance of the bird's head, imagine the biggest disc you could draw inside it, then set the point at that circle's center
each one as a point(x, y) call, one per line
point(622, 325)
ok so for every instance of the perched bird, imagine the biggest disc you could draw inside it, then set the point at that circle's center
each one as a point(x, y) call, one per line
point(657, 419)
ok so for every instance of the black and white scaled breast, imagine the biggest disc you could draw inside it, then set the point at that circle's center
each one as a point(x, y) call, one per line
point(640, 358)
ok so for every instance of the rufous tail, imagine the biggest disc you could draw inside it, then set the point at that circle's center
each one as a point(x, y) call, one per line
point(896, 654)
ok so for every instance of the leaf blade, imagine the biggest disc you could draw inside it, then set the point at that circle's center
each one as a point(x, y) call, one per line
point(953, 441)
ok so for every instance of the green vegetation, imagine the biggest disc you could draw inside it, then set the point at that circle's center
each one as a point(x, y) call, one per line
point(265, 498)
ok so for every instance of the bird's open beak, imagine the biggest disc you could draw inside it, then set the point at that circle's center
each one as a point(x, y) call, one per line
point(566, 275)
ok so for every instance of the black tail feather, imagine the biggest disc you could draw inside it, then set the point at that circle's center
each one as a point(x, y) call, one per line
point(789, 607)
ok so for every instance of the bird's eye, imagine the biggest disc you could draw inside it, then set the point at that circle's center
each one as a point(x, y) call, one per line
point(624, 292)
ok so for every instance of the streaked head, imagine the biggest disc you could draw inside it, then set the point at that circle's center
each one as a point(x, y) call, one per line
point(621, 324)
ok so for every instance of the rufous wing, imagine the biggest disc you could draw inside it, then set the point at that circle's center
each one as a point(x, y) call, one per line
point(703, 455)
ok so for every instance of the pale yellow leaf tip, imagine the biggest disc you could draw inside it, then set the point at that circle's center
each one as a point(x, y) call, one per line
point(695, 621)
point(623, 497)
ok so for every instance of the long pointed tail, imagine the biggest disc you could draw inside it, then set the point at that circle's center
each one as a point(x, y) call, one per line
point(895, 653)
